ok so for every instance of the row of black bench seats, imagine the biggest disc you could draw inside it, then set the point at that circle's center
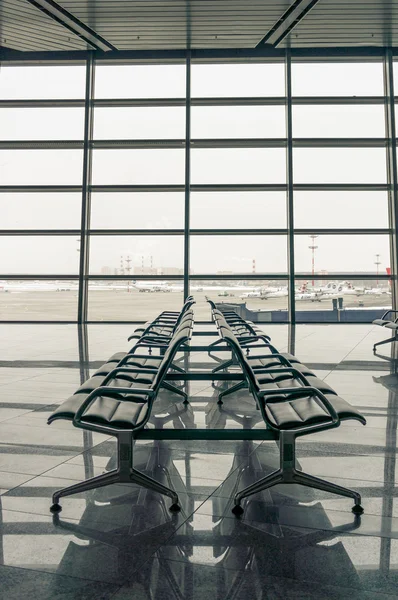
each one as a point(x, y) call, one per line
point(118, 399)
point(293, 401)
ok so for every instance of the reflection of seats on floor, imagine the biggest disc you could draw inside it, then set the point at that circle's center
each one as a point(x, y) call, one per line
point(125, 519)
point(120, 404)
point(294, 402)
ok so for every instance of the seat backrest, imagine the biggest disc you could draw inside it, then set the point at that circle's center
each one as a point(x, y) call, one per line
point(181, 336)
point(226, 333)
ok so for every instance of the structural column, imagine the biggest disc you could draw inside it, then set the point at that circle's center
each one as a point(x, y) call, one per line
point(289, 184)
point(86, 193)
point(391, 171)
point(187, 174)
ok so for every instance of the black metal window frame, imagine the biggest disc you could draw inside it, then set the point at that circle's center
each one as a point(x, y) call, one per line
point(88, 144)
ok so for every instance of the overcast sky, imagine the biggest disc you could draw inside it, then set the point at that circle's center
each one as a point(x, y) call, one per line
point(223, 166)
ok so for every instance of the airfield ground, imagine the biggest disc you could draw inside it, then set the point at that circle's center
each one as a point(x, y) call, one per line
point(133, 306)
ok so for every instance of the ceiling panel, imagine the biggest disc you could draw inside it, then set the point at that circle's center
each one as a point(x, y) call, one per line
point(24, 27)
point(149, 24)
point(347, 23)
point(181, 24)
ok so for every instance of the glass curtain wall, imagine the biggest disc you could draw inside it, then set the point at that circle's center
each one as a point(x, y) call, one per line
point(232, 127)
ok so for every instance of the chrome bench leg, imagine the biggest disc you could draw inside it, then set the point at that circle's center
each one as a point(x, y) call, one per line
point(84, 486)
point(287, 473)
point(152, 484)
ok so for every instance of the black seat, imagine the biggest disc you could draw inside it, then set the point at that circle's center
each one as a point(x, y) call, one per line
point(294, 404)
point(119, 403)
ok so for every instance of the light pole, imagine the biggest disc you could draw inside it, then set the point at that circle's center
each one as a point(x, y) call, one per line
point(312, 247)
point(128, 269)
point(377, 263)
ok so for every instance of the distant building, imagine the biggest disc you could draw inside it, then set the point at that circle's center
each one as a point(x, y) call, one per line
point(107, 271)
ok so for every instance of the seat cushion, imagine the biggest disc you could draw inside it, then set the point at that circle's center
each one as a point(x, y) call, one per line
point(145, 363)
point(380, 322)
point(308, 410)
point(391, 325)
point(141, 379)
point(104, 411)
point(267, 381)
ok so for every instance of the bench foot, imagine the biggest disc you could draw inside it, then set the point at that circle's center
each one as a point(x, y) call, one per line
point(55, 508)
point(237, 510)
point(175, 507)
point(357, 509)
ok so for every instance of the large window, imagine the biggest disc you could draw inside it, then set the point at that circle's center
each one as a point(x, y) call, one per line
point(164, 202)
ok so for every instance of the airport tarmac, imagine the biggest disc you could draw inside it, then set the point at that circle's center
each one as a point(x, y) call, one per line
point(120, 305)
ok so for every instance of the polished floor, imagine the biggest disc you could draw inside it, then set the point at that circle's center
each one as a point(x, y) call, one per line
point(121, 542)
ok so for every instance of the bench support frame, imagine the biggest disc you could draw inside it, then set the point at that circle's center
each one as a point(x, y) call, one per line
point(124, 473)
point(287, 473)
point(387, 341)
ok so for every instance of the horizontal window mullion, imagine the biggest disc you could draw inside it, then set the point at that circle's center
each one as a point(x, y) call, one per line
point(41, 144)
point(138, 232)
point(39, 188)
point(239, 143)
point(296, 100)
point(41, 232)
point(239, 187)
point(238, 231)
point(39, 103)
point(134, 277)
point(196, 143)
point(341, 187)
point(341, 276)
point(137, 188)
point(138, 102)
point(340, 142)
point(141, 144)
point(341, 231)
point(239, 276)
point(29, 277)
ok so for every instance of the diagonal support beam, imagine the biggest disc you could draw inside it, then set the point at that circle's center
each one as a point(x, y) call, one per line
point(69, 21)
point(288, 21)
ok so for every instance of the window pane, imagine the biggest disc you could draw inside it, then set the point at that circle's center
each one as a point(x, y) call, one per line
point(127, 301)
point(339, 165)
point(238, 80)
point(238, 122)
point(41, 123)
point(332, 301)
point(139, 123)
point(238, 165)
point(261, 301)
point(138, 166)
point(41, 167)
point(138, 255)
point(137, 211)
point(40, 211)
point(338, 121)
point(39, 255)
point(139, 81)
point(236, 210)
point(340, 209)
point(337, 79)
point(235, 254)
point(41, 82)
point(343, 254)
point(38, 300)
